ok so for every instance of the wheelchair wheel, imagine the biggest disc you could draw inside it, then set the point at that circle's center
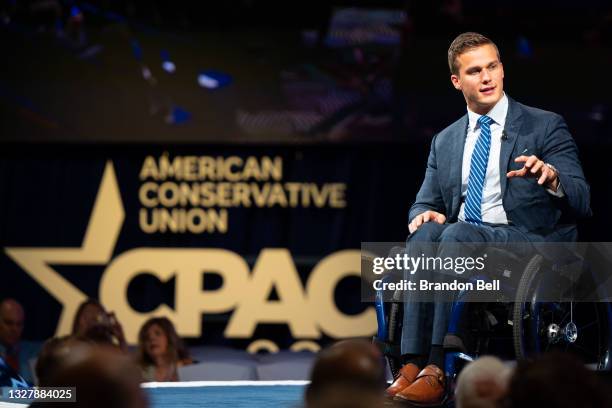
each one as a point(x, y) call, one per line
point(581, 328)
point(394, 335)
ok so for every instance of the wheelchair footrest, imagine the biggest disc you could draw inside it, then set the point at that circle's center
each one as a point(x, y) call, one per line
point(454, 342)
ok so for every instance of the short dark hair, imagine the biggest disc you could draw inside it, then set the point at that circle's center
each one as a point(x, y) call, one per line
point(465, 42)
point(342, 368)
point(53, 356)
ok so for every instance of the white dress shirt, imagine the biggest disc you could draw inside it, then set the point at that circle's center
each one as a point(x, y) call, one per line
point(492, 209)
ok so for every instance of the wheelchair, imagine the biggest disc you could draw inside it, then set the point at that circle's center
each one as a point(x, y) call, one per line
point(530, 325)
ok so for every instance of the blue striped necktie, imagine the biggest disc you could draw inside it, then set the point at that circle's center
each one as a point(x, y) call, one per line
point(478, 171)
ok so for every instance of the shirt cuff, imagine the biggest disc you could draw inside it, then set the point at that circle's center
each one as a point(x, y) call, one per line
point(559, 193)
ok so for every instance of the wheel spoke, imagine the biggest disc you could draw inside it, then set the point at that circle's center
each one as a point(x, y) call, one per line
point(588, 325)
point(564, 319)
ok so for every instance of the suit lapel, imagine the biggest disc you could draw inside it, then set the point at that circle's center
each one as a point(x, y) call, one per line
point(458, 144)
point(512, 129)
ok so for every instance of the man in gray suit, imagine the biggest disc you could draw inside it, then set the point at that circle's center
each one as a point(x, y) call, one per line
point(504, 172)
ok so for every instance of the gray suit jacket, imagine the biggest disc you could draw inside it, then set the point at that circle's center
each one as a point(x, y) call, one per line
point(528, 205)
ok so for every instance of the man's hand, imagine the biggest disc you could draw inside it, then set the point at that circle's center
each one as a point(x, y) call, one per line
point(535, 167)
point(426, 217)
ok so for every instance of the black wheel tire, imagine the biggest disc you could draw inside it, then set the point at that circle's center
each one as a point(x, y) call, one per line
point(527, 337)
point(519, 328)
point(394, 335)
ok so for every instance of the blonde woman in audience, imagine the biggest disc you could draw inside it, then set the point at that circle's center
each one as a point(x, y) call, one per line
point(161, 351)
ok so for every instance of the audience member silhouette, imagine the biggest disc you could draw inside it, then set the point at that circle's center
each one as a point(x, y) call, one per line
point(482, 383)
point(15, 352)
point(556, 380)
point(347, 374)
point(102, 377)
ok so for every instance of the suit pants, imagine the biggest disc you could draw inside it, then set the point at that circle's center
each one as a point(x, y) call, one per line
point(425, 323)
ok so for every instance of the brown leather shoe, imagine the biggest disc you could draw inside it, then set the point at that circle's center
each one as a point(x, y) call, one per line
point(406, 376)
point(427, 388)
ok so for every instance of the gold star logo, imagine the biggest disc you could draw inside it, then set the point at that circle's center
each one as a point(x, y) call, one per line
point(97, 249)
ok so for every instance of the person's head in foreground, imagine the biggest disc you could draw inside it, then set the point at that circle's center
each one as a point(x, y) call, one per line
point(556, 380)
point(482, 383)
point(160, 350)
point(102, 376)
point(348, 374)
point(12, 320)
point(52, 356)
point(476, 71)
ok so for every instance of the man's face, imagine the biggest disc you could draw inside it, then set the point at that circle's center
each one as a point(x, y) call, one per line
point(480, 78)
point(11, 323)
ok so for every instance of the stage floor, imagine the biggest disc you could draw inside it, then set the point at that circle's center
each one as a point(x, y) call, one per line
point(226, 394)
